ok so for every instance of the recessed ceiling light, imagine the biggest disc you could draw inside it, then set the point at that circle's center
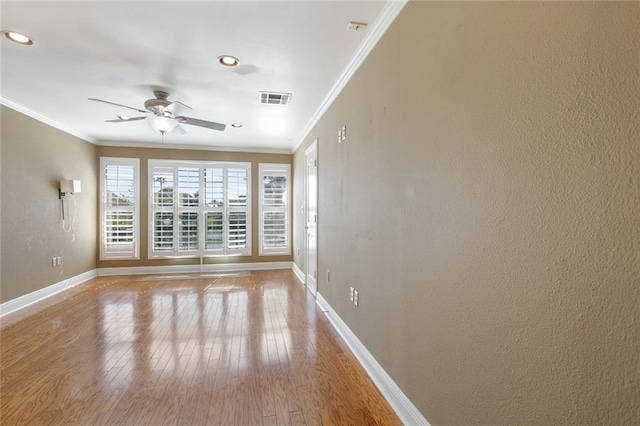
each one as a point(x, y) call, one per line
point(236, 125)
point(124, 117)
point(19, 38)
point(228, 61)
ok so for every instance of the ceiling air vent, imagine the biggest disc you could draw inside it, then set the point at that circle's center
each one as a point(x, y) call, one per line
point(275, 98)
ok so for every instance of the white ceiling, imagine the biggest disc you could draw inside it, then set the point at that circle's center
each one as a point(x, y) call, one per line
point(122, 51)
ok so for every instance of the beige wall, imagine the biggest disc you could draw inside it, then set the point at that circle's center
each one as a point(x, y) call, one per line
point(35, 157)
point(144, 154)
point(486, 205)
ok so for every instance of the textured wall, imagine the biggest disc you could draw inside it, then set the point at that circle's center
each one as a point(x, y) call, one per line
point(144, 154)
point(35, 157)
point(486, 205)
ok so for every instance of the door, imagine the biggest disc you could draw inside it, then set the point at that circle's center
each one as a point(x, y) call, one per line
point(311, 216)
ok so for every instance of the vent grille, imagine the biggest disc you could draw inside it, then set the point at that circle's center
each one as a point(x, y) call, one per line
point(274, 98)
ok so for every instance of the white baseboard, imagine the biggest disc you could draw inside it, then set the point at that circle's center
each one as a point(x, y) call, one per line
point(404, 408)
point(39, 295)
point(298, 272)
point(182, 269)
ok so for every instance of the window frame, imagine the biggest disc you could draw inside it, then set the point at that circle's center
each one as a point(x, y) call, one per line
point(202, 210)
point(121, 255)
point(264, 169)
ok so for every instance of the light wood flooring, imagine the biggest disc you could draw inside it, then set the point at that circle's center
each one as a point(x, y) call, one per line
point(248, 350)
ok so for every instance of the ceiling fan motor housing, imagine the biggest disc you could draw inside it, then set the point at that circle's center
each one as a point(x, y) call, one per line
point(157, 105)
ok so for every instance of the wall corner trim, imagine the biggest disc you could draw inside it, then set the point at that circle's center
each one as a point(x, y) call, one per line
point(374, 34)
point(21, 302)
point(43, 119)
point(298, 273)
point(404, 408)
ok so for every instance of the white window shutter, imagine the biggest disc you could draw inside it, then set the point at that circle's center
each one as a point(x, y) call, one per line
point(119, 187)
point(274, 208)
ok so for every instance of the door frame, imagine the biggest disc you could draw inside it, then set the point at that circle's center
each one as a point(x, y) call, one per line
point(311, 147)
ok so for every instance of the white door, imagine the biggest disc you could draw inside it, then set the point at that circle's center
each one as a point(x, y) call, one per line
point(311, 219)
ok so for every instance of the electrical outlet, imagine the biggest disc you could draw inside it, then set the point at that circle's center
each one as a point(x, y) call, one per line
point(54, 262)
point(339, 136)
point(328, 275)
point(356, 298)
point(59, 260)
point(351, 291)
point(344, 133)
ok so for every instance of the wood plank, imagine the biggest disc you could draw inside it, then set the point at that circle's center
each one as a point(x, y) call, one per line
point(230, 350)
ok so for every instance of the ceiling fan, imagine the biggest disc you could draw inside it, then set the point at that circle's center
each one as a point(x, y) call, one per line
point(163, 115)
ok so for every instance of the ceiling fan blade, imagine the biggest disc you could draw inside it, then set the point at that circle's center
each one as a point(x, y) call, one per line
point(201, 123)
point(175, 106)
point(120, 105)
point(124, 120)
point(179, 130)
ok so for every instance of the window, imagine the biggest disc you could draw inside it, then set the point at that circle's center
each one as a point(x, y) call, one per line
point(119, 219)
point(199, 208)
point(275, 198)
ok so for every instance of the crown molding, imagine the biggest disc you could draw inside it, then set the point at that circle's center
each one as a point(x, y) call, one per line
point(156, 145)
point(374, 34)
point(9, 103)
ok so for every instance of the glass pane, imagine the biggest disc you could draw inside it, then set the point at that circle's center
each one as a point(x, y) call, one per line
point(237, 187)
point(237, 227)
point(119, 185)
point(215, 228)
point(188, 232)
point(213, 187)
point(118, 231)
point(274, 191)
point(189, 186)
point(163, 231)
point(163, 186)
point(274, 230)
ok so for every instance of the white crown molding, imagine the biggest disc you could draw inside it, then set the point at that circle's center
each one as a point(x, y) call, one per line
point(39, 295)
point(156, 145)
point(374, 34)
point(43, 118)
point(298, 273)
point(180, 269)
point(404, 408)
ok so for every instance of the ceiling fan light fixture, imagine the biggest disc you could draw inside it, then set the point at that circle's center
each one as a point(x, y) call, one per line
point(228, 61)
point(19, 38)
point(162, 124)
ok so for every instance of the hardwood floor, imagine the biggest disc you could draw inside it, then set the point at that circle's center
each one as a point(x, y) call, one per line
point(245, 350)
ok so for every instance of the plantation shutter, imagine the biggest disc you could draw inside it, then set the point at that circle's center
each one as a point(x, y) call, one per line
point(162, 182)
point(274, 208)
point(119, 189)
point(214, 209)
point(199, 208)
point(237, 212)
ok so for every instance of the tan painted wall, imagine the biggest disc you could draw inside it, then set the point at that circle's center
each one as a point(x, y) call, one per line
point(144, 154)
point(35, 157)
point(486, 205)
